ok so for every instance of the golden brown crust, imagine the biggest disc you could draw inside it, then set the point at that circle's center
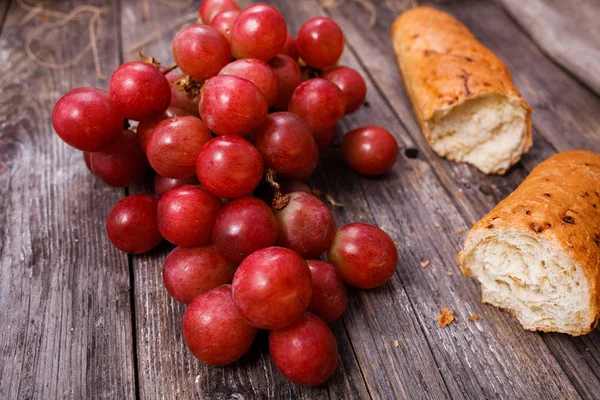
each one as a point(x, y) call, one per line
point(560, 201)
point(443, 65)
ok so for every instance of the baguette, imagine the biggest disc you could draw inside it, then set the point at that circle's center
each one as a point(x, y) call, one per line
point(463, 95)
point(537, 253)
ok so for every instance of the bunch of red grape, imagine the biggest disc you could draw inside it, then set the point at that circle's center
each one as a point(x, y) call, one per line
point(214, 134)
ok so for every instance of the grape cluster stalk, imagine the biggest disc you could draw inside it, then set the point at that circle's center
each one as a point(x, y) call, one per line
point(231, 132)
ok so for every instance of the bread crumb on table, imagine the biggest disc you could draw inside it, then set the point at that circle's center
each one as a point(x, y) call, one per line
point(474, 318)
point(396, 344)
point(450, 273)
point(436, 225)
point(425, 263)
point(445, 318)
point(459, 195)
point(461, 230)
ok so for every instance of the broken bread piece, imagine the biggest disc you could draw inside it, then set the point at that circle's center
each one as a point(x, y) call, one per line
point(537, 253)
point(463, 95)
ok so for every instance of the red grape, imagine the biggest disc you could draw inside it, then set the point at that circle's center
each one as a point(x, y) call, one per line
point(320, 42)
point(146, 127)
point(131, 224)
point(200, 51)
point(257, 72)
point(87, 119)
point(122, 163)
point(179, 98)
point(289, 48)
point(364, 255)
point(325, 138)
point(190, 271)
point(223, 22)
point(329, 297)
point(187, 214)
point(285, 143)
point(259, 32)
point(162, 184)
point(305, 225)
point(231, 105)
point(209, 9)
point(319, 103)
point(244, 226)
point(305, 352)
point(213, 329)
point(174, 146)
point(88, 162)
point(288, 75)
point(272, 288)
point(229, 167)
point(351, 83)
point(309, 168)
point(370, 150)
point(139, 90)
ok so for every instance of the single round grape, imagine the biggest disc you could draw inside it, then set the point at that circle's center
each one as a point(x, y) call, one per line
point(256, 71)
point(213, 329)
point(244, 226)
point(223, 22)
point(309, 168)
point(146, 127)
point(289, 76)
point(210, 9)
point(229, 167)
point(200, 51)
point(122, 163)
point(353, 86)
point(231, 105)
point(370, 150)
point(305, 352)
point(320, 42)
point(329, 298)
point(190, 271)
point(175, 144)
point(289, 48)
point(139, 90)
point(364, 255)
point(272, 288)
point(87, 119)
point(319, 103)
point(179, 98)
point(305, 225)
point(162, 184)
point(132, 226)
point(259, 32)
point(187, 214)
point(325, 138)
point(285, 143)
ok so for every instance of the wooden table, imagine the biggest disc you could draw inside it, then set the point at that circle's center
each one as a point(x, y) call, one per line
point(78, 319)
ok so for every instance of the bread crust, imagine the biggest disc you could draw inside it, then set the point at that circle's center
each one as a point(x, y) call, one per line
point(559, 201)
point(443, 65)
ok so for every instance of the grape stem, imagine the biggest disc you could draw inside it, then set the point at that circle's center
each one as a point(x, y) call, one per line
point(280, 201)
point(189, 85)
point(170, 68)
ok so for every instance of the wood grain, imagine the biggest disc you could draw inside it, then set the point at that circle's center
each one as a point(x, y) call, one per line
point(66, 314)
point(397, 209)
point(472, 192)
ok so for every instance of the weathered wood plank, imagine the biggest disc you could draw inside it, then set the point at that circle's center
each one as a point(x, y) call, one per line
point(166, 368)
point(3, 11)
point(474, 193)
point(66, 313)
point(369, 47)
